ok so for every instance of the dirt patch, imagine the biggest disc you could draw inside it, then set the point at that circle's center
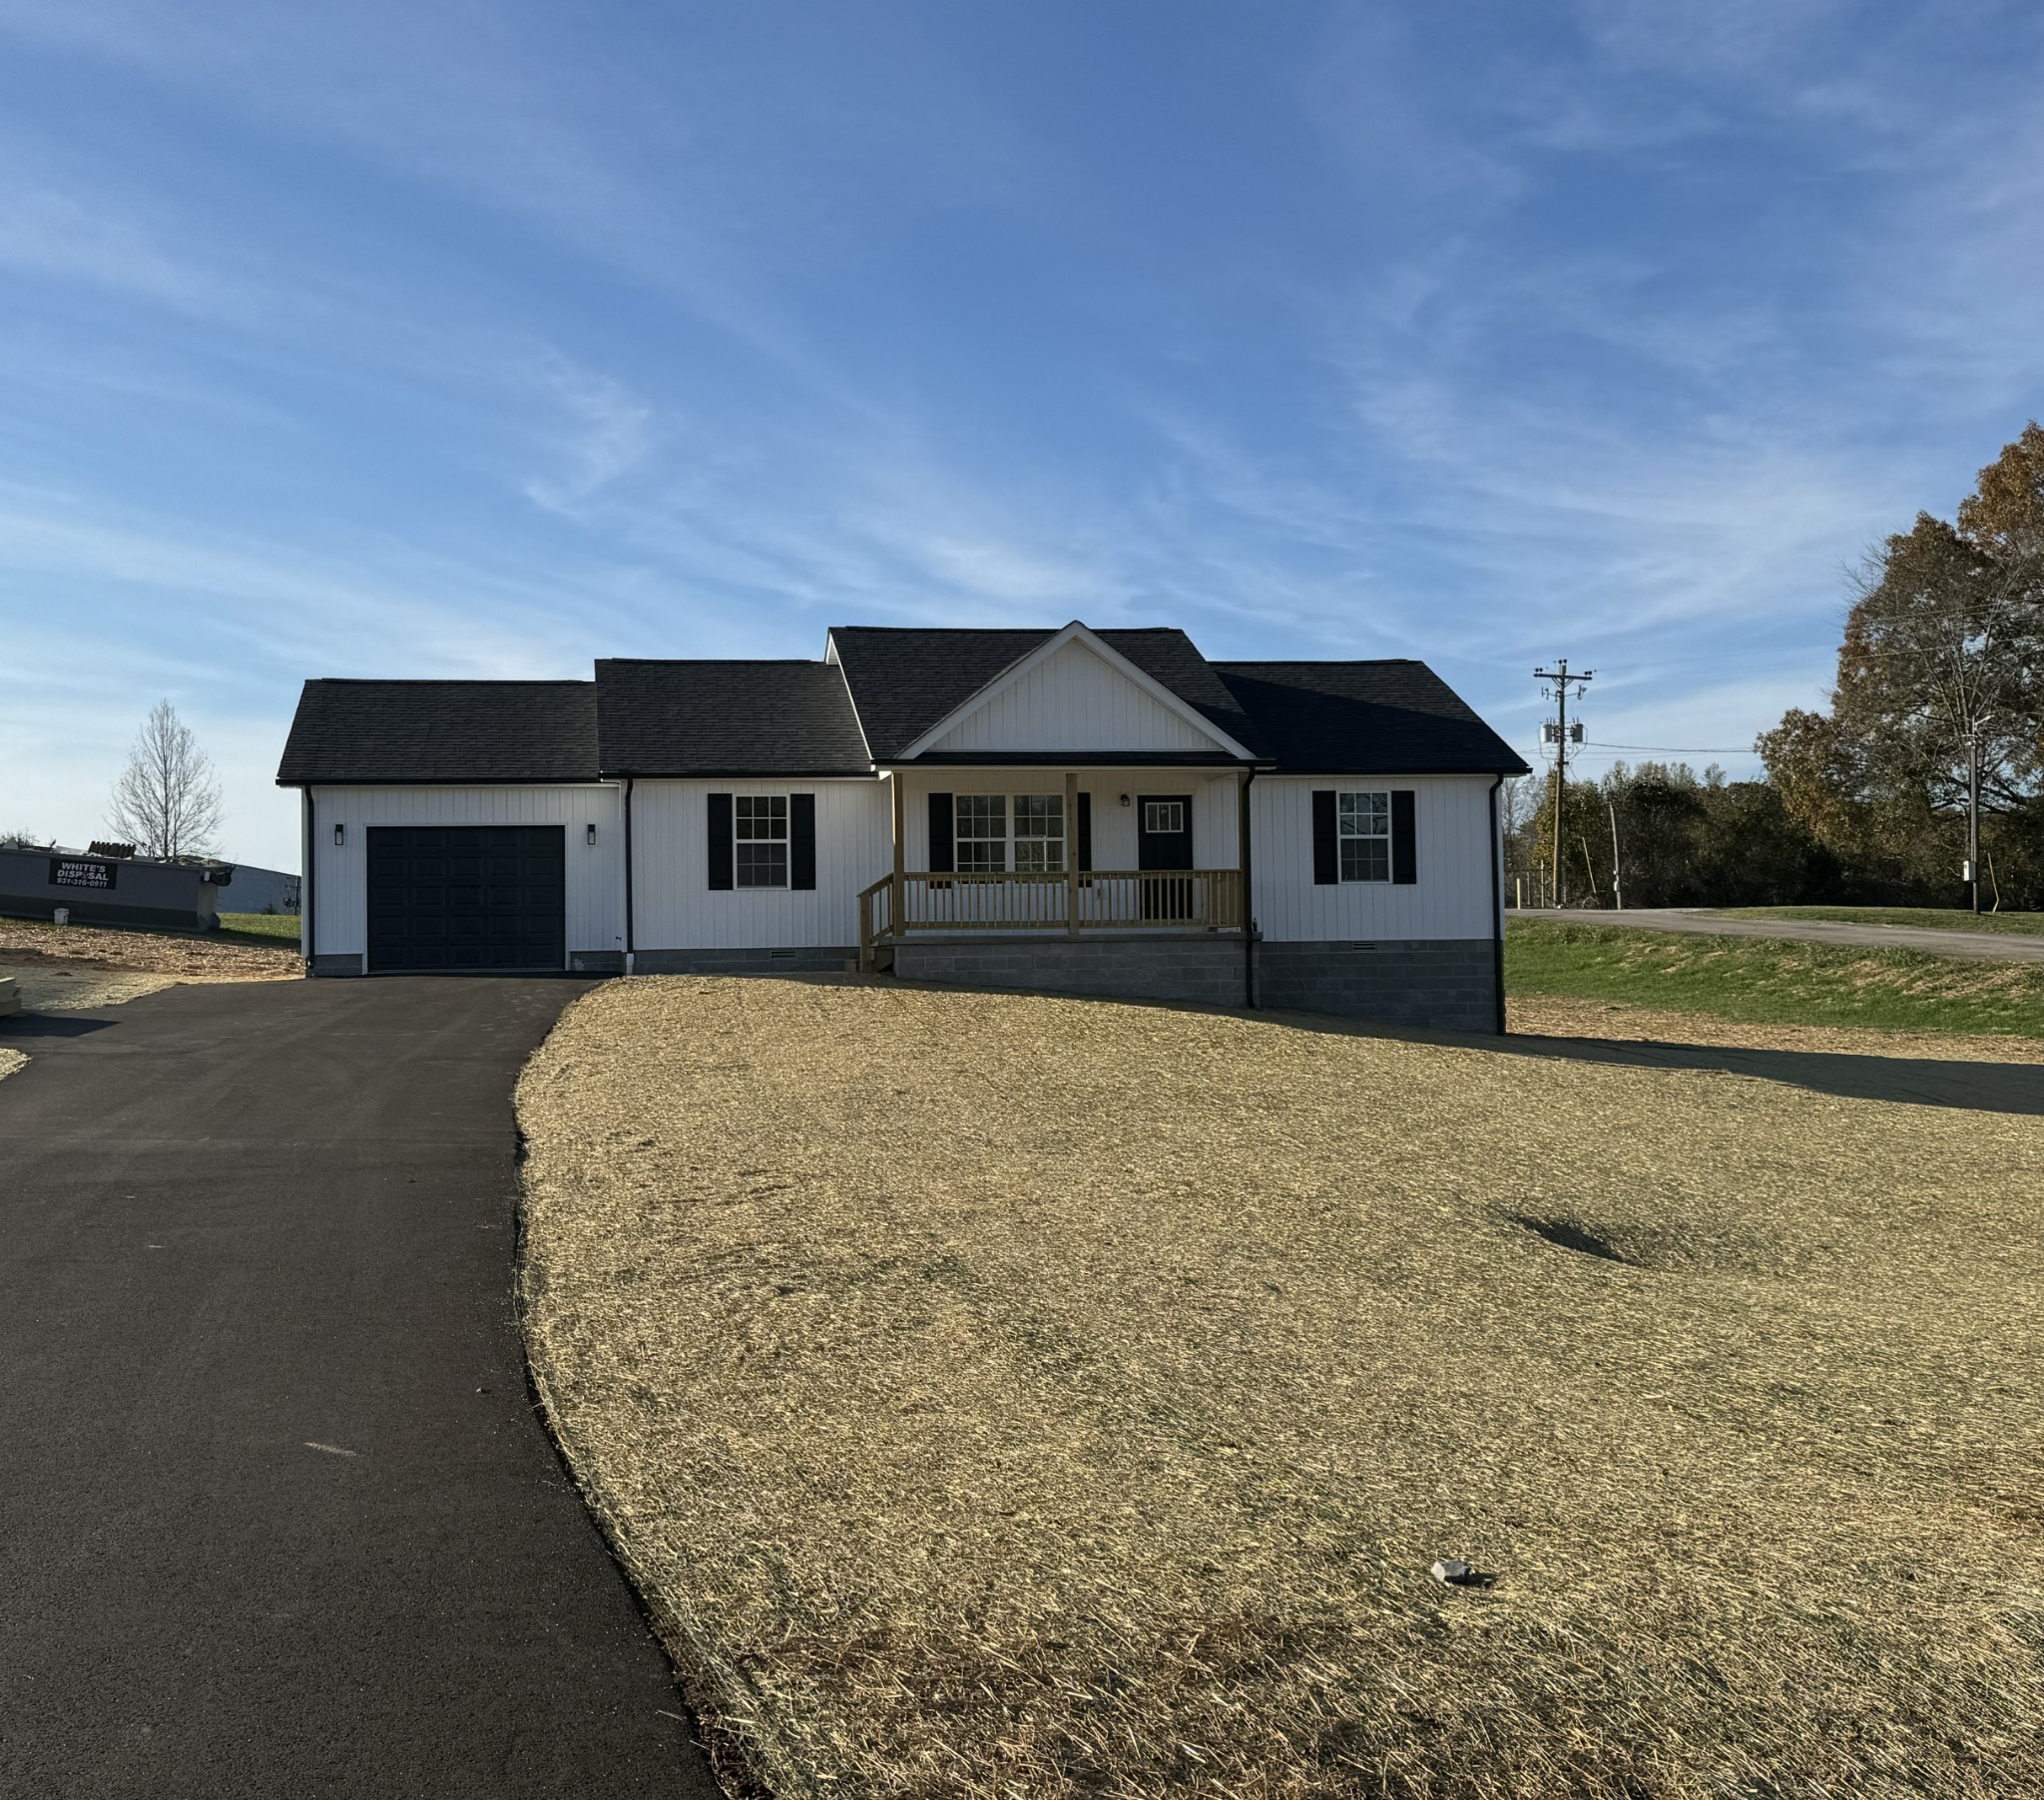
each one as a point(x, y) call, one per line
point(1541, 1017)
point(26, 943)
point(1005, 1396)
point(10, 1061)
point(48, 986)
point(64, 968)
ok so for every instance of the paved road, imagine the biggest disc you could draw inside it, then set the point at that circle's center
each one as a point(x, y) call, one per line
point(1989, 946)
point(236, 1223)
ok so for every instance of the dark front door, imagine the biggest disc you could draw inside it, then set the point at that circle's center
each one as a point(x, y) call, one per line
point(1164, 841)
point(452, 897)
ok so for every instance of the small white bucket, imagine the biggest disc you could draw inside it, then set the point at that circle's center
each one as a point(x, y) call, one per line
point(63, 915)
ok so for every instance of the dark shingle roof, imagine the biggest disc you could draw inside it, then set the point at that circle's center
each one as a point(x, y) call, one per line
point(1390, 718)
point(905, 679)
point(727, 718)
point(416, 732)
point(797, 719)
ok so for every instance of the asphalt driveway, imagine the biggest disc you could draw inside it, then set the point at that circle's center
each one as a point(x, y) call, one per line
point(275, 1515)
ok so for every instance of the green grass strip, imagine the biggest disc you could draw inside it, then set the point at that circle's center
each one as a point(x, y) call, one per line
point(1775, 981)
point(267, 928)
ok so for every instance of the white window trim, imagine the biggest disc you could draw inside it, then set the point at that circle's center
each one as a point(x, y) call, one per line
point(1342, 836)
point(1012, 836)
point(740, 842)
point(1184, 804)
point(960, 837)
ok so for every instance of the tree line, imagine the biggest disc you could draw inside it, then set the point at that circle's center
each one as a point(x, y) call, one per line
point(1938, 706)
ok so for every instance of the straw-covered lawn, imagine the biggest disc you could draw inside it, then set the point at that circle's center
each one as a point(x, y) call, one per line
point(1006, 1395)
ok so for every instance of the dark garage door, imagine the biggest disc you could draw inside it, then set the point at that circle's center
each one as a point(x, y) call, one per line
point(467, 897)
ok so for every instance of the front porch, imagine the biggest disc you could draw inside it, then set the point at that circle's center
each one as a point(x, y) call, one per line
point(1041, 841)
point(1123, 901)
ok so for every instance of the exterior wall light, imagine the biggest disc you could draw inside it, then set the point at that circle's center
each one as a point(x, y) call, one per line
point(592, 834)
point(340, 834)
point(1125, 799)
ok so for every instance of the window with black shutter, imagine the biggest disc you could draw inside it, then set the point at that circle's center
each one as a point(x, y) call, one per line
point(1366, 835)
point(1327, 857)
point(801, 840)
point(719, 841)
point(1404, 839)
point(941, 857)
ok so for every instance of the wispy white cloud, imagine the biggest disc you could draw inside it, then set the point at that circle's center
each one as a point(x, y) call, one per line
point(611, 433)
point(53, 230)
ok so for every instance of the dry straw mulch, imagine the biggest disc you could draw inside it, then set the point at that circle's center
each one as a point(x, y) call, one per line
point(1554, 1017)
point(66, 967)
point(25, 943)
point(1008, 1396)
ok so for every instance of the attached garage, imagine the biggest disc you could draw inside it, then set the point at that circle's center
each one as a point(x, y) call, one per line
point(457, 827)
point(466, 897)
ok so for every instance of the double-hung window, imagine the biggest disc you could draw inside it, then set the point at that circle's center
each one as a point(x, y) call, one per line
point(1362, 835)
point(760, 840)
point(1040, 834)
point(982, 833)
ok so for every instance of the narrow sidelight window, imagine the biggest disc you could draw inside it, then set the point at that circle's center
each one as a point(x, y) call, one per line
point(981, 822)
point(1363, 835)
point(1040, 834)
point(759, 839)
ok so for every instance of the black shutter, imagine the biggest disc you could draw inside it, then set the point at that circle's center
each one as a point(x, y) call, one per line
point(1327, 856)
point(801, 840)
point(1405, 840)
point(1086, 832)
point(941, 855)
point(720, 840)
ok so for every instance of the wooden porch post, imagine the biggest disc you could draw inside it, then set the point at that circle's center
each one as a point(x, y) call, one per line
point(1072, 852)
point(900, 913)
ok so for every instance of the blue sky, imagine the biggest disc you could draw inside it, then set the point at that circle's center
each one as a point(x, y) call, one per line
point(442, 338)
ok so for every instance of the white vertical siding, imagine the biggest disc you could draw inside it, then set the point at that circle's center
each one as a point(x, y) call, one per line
point(675, 908)
point(1451, 898)
point(1073, 702)
point(1216, 808)
point(595, 872)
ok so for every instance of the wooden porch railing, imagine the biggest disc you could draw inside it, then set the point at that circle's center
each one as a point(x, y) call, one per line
point(1106, 900)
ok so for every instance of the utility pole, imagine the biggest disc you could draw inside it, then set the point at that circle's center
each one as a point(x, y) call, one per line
point(1617, 890)
point(1973, 814)
point(1559, 681)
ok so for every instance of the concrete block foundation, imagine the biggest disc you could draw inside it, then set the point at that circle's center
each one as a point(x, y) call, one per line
point(1193, 966)
point(1436, 983)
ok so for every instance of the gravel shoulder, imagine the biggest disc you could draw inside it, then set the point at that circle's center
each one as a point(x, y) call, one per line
point(996, 1395)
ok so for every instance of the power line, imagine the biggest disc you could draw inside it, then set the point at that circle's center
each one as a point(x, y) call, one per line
point(1677, 749)
point(1559, 681)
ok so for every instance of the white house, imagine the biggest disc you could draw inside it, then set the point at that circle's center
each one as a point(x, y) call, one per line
point(1093, 812)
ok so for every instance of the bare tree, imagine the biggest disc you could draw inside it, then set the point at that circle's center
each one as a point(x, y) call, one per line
point(167, 800)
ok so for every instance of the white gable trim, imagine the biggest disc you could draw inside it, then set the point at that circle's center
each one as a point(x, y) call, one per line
point(1081, 634)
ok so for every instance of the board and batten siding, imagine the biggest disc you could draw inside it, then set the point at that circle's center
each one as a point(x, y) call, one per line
point(595, 872)
point(1214, 801)
point(1451, 899)
point(1072, 701)
point(675, 908)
